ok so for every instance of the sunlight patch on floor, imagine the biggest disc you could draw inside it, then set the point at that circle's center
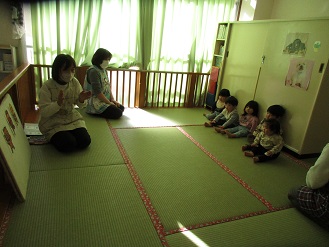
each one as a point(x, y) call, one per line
point(191, 236)
point(141, 118)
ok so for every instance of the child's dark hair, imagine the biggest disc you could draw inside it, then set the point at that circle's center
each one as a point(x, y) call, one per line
point(62, 61)
point(100, 55)
point(273, 125)
point(224, 92)
point(276, 110)
point(253, 105)
point(232, 100)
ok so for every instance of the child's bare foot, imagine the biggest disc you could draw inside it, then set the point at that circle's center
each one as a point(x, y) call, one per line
point(244, 147)
point(229, 134)
point(256, 159)
point(248, 154)
point(220, 130)
point(208, 124)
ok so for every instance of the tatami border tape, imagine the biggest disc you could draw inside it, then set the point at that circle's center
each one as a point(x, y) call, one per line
point(140, 188)
point(154, 215)
point(230, 172)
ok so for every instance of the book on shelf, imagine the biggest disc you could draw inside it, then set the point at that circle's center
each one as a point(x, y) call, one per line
point(218, 61)
point(221, 50)
point(221, 32)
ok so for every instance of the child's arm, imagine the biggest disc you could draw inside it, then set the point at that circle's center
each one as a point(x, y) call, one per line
point(234, 118)
point(278, 145)
point(219, 116)
point(258, 128)
point(254, 124)
point(257, 139)
point(213, 107)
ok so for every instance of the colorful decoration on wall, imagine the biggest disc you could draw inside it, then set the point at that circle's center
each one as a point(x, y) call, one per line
point(15, 150)
point(296, 44)
point(299, 73)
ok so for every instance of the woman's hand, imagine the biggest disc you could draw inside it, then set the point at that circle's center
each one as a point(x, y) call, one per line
point(60, 98)
point(117, 104)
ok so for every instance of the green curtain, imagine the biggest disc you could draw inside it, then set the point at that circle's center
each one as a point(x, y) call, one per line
point(162, 35)
point(119, 31)
point(184, 33)
point(169, 35)
point(65, 27)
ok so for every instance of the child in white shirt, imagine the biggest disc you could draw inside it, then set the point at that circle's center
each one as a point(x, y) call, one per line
point(219, 105)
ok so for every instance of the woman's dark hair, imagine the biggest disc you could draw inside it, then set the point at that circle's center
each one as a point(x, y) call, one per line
point(100, 55)
point(253, 105)
point(62, 61)
point(232, 100)
point(273, 125)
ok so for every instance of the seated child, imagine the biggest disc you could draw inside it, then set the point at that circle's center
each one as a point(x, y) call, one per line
point(267, 144)
point(273, 112)
point(247, 123)
point(312, 199)
point(229, 117)
point(219, 105)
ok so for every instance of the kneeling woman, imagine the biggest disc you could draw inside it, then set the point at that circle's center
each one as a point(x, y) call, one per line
point(312, 199)
point(102, 102)
point(60, 122)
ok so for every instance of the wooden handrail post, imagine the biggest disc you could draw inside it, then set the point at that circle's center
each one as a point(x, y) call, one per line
point(140, 89)
point(191, 89)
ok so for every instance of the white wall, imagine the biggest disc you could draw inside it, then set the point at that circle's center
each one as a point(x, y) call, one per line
point(298, 9)
point(306, 121)
point(283, 9)
point(263, 9)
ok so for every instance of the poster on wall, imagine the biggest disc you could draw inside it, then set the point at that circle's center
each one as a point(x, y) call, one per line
point(296, 44)
point(15, 148)
point(299, 73)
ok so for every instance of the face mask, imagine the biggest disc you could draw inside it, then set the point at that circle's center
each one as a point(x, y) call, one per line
point(67, 77)
point(105, 64)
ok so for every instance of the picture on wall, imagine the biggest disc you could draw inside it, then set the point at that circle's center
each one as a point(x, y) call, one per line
point(296, 44)
point(15, 149)
point(299, 73)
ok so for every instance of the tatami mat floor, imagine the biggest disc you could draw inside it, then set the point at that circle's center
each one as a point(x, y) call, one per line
point(158, 177)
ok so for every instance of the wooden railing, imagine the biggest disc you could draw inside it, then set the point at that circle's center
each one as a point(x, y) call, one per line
point(132, 88)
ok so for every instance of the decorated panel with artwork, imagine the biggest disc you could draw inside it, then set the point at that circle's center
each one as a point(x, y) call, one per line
point(15, 148)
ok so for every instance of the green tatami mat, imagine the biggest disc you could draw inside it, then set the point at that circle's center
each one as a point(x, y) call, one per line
point(272, 179)
point(279, 229)
point(102, 150)
point(151, 117)
point(184, 185)
point(95, 206)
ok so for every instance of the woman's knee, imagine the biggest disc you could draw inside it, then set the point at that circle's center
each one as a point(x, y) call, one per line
point(84, 142)
point(65, 145)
